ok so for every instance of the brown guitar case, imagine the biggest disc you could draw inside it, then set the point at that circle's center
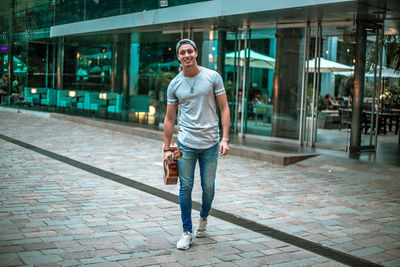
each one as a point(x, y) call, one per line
point(171, 173)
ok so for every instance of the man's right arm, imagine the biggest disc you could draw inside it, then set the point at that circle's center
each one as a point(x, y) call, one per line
point(169, 123)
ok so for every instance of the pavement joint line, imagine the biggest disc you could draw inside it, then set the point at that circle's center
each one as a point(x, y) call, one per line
point(302, 243)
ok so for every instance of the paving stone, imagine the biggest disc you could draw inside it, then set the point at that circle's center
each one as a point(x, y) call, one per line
point(118, 257)
point(11, 236)
point(27, 241)
point(69, 263)
point(392, 263)
point(52, 251)
point(40, 234)
point(92, 260)
point(366, 251)
point(340, 240)
point(381, 257)
point(251, 254)
point(35, 257)
point(10, 262)
point(230, 257)
point(10, 249)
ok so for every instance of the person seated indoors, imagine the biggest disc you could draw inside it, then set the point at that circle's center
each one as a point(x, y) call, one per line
point(349, 101)
point(339, 100)
point(259, 99)
point(329, 102)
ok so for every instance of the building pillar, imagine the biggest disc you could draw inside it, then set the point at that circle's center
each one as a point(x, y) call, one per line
point(221, 53)
point(272, 53)
point(287, 79)
point(114, 62)
point(60, 63)
point(120, 72)
point(123, 63)
point(120, 63)
point(358, 94)
point(11, 48)
point(134, 64)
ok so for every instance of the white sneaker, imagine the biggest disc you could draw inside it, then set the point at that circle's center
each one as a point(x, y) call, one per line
point(185, 241)
point(201, 228)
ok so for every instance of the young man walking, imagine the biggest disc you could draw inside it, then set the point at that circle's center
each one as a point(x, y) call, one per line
point(197, 91)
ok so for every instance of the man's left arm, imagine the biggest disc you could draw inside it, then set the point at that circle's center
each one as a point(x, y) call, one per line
point(226, 121)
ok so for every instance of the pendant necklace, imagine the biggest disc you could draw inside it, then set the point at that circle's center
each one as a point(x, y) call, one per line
point(191, 86)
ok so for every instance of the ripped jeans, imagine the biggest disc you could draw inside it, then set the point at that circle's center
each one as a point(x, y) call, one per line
point(208, 159)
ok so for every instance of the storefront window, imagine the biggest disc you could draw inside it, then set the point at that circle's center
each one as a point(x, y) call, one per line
point(157, 67)
point(73, 11)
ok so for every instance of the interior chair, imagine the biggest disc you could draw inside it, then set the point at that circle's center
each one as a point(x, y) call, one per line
point(140, 103)
point(50, 99)
point(115, 104)
point(344, 117)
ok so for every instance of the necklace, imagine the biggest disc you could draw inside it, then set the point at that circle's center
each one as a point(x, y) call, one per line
point(191, 86)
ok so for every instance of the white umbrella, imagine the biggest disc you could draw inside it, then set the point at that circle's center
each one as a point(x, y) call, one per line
point(257, 60)
point(328, 66)
point(386, 73)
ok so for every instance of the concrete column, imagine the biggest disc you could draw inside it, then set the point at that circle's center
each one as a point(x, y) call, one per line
point(221, 53)
point(123, 63)
point(120, 63)
point(60, 63)
point(11, 47)
point(358, 94)
point(46, 76)
point(134, 64)
point(272, 53)
point(114, 63)
point(287, 82)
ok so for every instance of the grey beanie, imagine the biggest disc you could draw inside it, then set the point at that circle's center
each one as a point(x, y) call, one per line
point(183, 42)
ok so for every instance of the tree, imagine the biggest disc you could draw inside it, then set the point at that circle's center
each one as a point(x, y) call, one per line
point(392, 50)
point(392, 47)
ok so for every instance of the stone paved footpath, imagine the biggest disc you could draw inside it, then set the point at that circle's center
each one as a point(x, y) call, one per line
point(53, 214)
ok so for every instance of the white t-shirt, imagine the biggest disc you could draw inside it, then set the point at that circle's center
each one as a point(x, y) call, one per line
point(198, 120)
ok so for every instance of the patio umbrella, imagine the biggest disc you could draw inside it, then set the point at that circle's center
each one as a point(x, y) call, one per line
point(386, 73)
point(329, 66)
point(257, 60)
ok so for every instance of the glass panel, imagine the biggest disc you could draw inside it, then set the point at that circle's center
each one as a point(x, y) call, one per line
point(334, 120)
point(157, 67)
point(73, 11)
point(262, 52)
point(19, 78)
point(69, 11)
point(36, 67)
point(266, 100)
point(335, 84)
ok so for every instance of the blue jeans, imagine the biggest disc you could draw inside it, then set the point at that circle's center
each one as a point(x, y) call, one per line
point(208, 159)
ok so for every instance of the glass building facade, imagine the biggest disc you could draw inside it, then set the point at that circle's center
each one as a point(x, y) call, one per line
point(289, 75)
